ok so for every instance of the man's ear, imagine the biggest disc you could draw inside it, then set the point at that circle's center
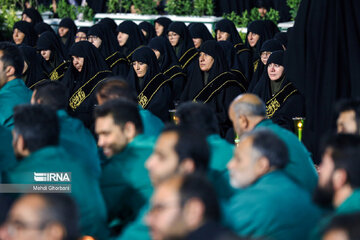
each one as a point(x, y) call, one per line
point(194, 211)
point(262, 166)
point(130, 130)
point(10, 71)
point(55, 231)
point(243, 121)
point(187, 166)
point(339, 178)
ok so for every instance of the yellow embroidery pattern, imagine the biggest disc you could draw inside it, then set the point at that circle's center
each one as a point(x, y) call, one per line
point(272, 107)
point(54, 75)
point(143, 100)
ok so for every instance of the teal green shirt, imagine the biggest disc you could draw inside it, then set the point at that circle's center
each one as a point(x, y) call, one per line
point(12, 94)
point(84, 187)
point(220, 152)
point(7, 157)
point(274, 207)
point(301, 167)
point(151, 123)
point(125, 182)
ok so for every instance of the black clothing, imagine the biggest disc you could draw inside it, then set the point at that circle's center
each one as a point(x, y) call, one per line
point(99, 6)
point(149, 29)
point(135, 40)
point(34, 15)
point(110, 23)
point(199, 30)
point(43, 27)
point(165, 22)
point(153, 89)
point(283, 8)
point(228, 6)
point(81, 85)
point(282, 37)
point(83, 29)
point(69, 38)
point(211, 231)
point(29, 31)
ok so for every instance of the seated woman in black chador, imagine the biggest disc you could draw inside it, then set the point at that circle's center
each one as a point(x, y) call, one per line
point(181, 41)
point(152, 88)
point(148, 30)
point(110, 23)
point(267, 48)
point(258, 32)
point(161, 25)
point(42, 27)
point(212, 83)
point(54, 59)
point(129, 38)
point(33, 72)
point(31, 15)
point(169, 65)
point(200, 34)
point(24, 33)
point(103, 39)
point(67, 31)
point(226, 31)
point(81, 34)
point(283, 100)
point(87, 70)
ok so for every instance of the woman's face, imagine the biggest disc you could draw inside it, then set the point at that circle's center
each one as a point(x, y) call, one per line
point(253, 38)
point(197, 42)
point(78, 62)
point(95, 40)
point(26, 18)
point(122, 38)
point(173, 38)
point(265, 56)
point(18, 36)
point(222, 36)
point(159, 29)
point(80, 36)
point(275, 71)
point(46, 54)
point(63, 31)
point(140, 68)
point(205, 61)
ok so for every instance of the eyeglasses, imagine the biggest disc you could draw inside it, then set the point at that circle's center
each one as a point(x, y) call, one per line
point(91, 38)
point(265, 54)
point(81, 38)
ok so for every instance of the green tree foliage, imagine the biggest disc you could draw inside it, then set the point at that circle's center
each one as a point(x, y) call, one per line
point(141, 6)
point(245, 18)
point(66, 10)
point(203, 7)
point(179, 7)
point(294, 7)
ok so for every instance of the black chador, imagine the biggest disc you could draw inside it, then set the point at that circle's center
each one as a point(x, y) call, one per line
point(29, 31)
point(216, 86)
point(34, 15)
point(34, 72)
point(185, 50)
point(153, 89)
point(165, 23)
point(283, 100)
point(110, 23)
point(81, 84)
point(109, 48)
point(148, 31)
point(69, 38)
point(243, 53)
point(169, 65)
point(42, 27)
point(199, 30)
point(57, 64)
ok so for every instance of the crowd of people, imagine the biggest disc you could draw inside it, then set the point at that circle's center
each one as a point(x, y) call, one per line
point(169, 132)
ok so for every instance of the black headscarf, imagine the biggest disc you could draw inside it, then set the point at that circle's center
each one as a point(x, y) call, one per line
point(149, 29)
point(83, 29)
point(228, 6)
point(282, 37)
point(49, 41)
point(34, 72)
point(199, 30)
point(70, 36)
point(109, 44)
point(185, 41)
point(230, 54)
point(34, 15)
point(110, 23)
point(29, 31)
point(266, 29)
point(43, 27)
point(165, 22)
point(136, 37)
point(225, 25)
point(167, 55)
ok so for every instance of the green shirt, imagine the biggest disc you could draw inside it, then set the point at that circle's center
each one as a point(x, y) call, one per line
point(274, 207)
point(300, 167)
point(84, 187)
point(12, 94)
point(7, 157)
point(151, 123)
point(220, 152)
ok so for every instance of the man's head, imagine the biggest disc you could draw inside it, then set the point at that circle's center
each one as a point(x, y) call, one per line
point(177, 150)
point(258, 153)
point(343, 227)
point(197, 116)
point(118, 122)
point(339, 171)
point(181, 205)
point(50, 93)
point(245, 112)
point(114, 88)
point(42, 216)
point(11, 62)
point(35, 127)
point(348, 120)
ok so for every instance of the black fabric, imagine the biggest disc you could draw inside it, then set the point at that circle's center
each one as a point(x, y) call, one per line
point(228, 6)
point(99, 6)
point(73, 80)
point(110, 23)
point(29, 31)
point(283, 8)
point(43, 27)
point(161, 101)
point(323, 61)
point(49, 41)
point(211, 231)
point(149, 29)
point(199, 30)
point(282, 37)
point(165, 22)
point(293, 106)
point(34, 72)
point(136, 37)
point(70, 36)
point(83, 29)
point(225, 25)
point(34, 15)
point(109, 44)
point(185, 41)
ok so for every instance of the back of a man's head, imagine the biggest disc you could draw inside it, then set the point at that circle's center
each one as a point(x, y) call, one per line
point(343, 227)
point(348, 112)
point(249, 105)
point(122, 111)
point(52, 94)
point(37, 124)
point(114, 88)
point(198, 116)
point(11, 56)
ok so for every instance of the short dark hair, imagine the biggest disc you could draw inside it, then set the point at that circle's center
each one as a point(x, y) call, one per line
point(344, 105)
point(267, 144)
point(122, 111)
point(61, 208)
point(12, 57)
point(346, 154)
point(197, 186)
point(52, 94)
point(191, 144)
point(349, 223)
point(198, 116)
point(38, 124)
point(115, 87)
